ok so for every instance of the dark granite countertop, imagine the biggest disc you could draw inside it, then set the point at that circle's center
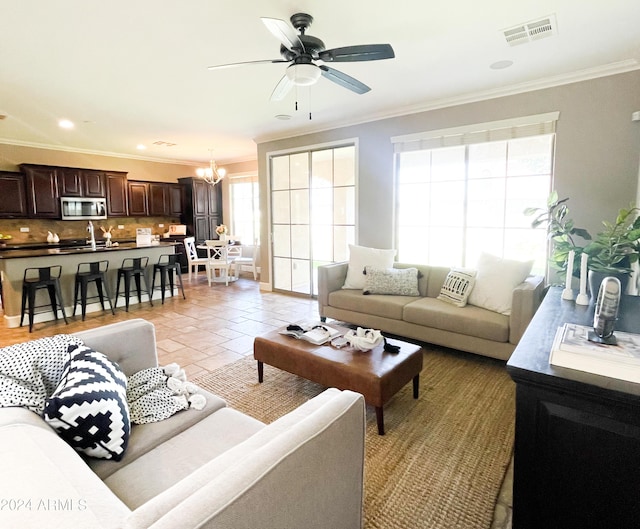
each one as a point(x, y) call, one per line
point(58, 249)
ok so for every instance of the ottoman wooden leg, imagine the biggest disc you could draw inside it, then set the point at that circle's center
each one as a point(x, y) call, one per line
point(416, 386)
point(260, 371)
point(380, 420)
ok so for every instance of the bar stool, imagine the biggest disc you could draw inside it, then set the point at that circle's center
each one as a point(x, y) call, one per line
point(35, 279)
point(132, 267)
point(91, 272)
point(167, 264)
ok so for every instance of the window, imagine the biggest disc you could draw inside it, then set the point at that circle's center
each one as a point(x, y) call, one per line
point(245, 208)
point(457, 201)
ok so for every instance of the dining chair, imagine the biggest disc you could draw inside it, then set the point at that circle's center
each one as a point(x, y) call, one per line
point(218, 260)
point(249, 255)
point(192, 257)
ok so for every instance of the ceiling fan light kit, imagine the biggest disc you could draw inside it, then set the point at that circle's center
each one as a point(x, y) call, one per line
point(302, 50)
point(303, 74)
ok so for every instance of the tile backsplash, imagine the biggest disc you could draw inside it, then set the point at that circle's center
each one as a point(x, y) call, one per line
point(77, 229)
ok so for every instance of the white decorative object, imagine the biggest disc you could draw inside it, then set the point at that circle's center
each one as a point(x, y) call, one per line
point(567, 293)
point(55, 238)
point(582, 298)
point(364, 339)
point(49, 236)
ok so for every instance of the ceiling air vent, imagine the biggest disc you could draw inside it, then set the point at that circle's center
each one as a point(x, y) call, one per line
point(164, 143)
point(530, 31)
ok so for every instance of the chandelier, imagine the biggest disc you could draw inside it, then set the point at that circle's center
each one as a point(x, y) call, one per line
point(212, 174)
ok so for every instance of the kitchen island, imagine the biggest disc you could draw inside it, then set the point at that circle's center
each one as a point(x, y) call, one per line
point(14, 262)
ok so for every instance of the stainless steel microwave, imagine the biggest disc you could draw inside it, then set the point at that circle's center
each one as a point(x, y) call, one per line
point(78, 208)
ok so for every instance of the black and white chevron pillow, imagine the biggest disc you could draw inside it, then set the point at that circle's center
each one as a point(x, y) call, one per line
point(89, 407)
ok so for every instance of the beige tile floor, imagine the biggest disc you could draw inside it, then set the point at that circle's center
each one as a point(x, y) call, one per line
point(214, 326)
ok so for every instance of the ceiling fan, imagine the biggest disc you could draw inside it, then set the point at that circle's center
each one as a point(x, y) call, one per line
point(302, 51)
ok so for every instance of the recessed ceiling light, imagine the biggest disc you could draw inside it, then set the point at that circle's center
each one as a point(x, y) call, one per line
point(283, 117)
point(141, 147)
point(65, 124)
point(501, 65)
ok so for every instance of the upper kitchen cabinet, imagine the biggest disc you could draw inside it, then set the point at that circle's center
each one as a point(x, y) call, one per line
point(117, 195)
point(13, 198)
point(138, 199)
point(43, 199)
point(81, 183)
point(165, 199)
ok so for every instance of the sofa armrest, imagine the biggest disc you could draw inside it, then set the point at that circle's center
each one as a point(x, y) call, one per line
point(305, 469)
point(130, 343)
point(331, 277)
point(525, 301)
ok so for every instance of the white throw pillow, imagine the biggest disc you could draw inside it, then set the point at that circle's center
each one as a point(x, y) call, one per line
point(457, 286)
point(361, 256)
point(495, 280)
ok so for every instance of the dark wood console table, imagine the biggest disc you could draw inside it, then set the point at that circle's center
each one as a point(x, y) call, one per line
point(577, 446)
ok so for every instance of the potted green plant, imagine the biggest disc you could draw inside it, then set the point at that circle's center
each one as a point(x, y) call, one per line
point(615, 249)
point(561, 231)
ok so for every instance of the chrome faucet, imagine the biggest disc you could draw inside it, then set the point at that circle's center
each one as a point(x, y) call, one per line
point(92, 240)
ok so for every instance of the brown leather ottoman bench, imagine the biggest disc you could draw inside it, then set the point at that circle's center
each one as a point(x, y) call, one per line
point(376, 374)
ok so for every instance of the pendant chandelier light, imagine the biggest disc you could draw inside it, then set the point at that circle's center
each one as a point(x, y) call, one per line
point(212, 174)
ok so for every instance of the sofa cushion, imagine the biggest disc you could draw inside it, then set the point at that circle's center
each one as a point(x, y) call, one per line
point(495, 281)
point(89, 407)
point(469, 320)
point(146, 437)
point(40, 467)
point(376, 304)
point(391, 281)
point(361, 256)
point(176, 458)
point(30, 371)
point(457, 286)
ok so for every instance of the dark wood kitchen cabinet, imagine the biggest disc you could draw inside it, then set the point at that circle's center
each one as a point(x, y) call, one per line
point(202, 208)
point(117, 194)
point(81, 183)
point(13, 198)
point(43, 199)
point(138, 199)
point(165, 199)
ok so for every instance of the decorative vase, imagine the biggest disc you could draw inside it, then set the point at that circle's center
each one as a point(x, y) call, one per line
point(595, 279)
point(223, 236)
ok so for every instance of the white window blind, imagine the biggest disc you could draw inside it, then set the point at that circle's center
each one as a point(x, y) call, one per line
point(507, 129)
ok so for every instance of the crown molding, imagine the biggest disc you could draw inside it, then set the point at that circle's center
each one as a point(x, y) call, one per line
point(606, 70)
point(192, 163)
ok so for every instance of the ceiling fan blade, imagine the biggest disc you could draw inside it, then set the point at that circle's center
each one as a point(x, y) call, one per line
point(234, 64)
point(344, 80)
point(284, 33)
point(282, 89)
point(363, 52)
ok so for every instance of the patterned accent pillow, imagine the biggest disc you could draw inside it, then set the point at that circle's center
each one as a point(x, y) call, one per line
point(457, 286)
point(391, 281)
point(30, 371)
point(89, 407)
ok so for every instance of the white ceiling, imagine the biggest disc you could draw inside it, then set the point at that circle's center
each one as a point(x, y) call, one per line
point(130, 72)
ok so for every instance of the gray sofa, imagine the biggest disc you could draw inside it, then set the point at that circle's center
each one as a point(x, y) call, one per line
point(427, 319)
point(211, 468)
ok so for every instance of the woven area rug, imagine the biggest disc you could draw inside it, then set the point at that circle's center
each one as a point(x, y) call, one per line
point(444, 455)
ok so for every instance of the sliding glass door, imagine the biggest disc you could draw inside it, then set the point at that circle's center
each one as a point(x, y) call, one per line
point(313, 212)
